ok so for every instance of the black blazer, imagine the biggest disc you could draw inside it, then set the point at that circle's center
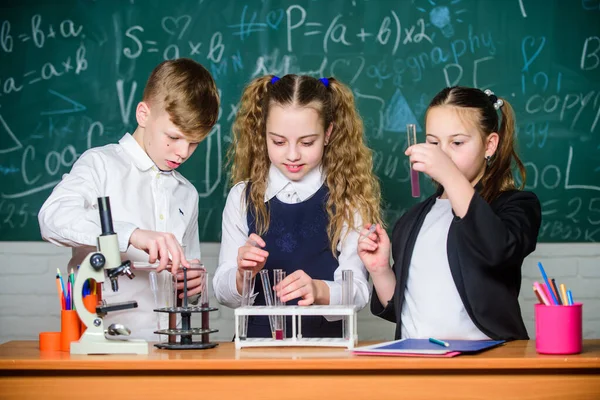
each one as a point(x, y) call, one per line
point(485, 249)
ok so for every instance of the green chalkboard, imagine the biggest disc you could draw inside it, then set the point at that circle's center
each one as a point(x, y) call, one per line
point(72, 72)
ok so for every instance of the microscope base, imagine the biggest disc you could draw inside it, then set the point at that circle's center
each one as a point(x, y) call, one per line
point(92, 343)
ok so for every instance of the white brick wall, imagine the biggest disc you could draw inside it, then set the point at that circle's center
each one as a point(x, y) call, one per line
point(28, 300)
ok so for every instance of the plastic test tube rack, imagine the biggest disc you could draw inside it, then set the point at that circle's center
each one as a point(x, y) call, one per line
point(186, 331)
point(297, 312)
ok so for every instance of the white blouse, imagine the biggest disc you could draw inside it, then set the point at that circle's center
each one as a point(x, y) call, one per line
point(235, 234)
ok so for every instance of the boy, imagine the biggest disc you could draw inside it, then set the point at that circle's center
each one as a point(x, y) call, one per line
point(154, 208)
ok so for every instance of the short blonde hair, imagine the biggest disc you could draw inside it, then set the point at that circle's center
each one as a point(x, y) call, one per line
point(188, 93)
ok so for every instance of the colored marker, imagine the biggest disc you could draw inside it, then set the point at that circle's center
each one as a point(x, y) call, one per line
point(555, 292)
point(563, 292)
point(538, 295)
point(570, 297)
point(541, 267)
point(440, 342)
point(541, 293)
point(62, 283)
point(60, 291)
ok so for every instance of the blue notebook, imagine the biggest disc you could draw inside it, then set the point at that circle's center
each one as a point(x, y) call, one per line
point(425, 347)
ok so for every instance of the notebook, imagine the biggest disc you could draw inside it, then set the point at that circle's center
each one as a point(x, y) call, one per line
point(424, 348)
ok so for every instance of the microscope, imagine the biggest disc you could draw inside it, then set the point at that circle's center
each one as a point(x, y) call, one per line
point(95, 339)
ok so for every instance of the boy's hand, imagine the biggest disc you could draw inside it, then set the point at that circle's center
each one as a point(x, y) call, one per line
point(196, 282)
point(374, 250)
point(160, 246)
point(250, 256)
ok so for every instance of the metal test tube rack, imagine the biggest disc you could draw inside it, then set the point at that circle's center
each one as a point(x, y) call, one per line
point(186, 331)
point(297, 312)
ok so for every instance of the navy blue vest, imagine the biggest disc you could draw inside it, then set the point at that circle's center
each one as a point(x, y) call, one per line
point(296, 239)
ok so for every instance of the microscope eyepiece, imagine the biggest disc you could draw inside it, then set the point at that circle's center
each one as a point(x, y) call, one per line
point(105, 216)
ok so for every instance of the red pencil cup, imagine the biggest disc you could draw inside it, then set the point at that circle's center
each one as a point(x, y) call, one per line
point(558, 329)
point(70, 329)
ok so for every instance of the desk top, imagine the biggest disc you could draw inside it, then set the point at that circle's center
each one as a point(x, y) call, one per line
point(521, 355)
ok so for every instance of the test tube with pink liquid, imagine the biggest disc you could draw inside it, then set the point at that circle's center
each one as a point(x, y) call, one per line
point(278, 276)
point(411, 138)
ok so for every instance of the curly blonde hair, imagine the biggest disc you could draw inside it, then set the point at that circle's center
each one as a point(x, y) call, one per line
point(347, 160)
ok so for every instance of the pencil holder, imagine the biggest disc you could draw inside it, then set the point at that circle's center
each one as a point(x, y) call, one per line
point(90, 302)
point(50, 341)
point(70, 329)
point(558, 329)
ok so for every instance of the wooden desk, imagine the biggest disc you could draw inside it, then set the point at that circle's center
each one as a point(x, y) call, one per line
point(510, 371)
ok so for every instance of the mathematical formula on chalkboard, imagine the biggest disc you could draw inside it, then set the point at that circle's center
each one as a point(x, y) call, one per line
point(73, 73)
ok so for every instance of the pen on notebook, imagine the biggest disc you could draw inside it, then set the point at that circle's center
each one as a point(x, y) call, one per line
point(552, 297)
point(440, 342)
point(371, 230)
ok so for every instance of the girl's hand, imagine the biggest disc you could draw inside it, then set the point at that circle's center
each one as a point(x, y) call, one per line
point(298, 284)
point(374, 250)
point(250, 257)
point(431, 160)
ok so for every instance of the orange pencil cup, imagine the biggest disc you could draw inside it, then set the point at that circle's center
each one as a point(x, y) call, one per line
point(558, 329)
point(70, 329)
point(90, 302)
point(50, 341)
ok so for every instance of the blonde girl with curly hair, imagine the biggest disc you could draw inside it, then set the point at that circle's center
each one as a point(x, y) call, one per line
point(303, 188)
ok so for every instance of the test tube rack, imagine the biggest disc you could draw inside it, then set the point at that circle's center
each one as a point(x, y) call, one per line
point(297, 312)
point(186, 332)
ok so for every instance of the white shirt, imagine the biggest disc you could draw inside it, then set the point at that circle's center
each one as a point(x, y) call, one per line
point(235, 234)
point(432, 306)
point(141, 196)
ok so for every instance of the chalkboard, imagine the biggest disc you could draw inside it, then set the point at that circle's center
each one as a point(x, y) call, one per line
point(72, 73)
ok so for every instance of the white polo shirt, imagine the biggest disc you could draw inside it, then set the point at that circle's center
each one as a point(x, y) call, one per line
point(141, 196)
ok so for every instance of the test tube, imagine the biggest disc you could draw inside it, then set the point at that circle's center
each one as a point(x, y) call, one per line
point(268, 292)
point(347, 299)
point(153, 276)
point(411, 136)
point(371, 230)
point(247, 289)
point(278, 276)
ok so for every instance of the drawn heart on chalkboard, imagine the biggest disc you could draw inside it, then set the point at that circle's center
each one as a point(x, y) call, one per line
point(274, 18)
point(531, 41)
point(171, 24)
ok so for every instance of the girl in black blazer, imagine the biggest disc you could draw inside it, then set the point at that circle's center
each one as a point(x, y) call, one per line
point(458, 254)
